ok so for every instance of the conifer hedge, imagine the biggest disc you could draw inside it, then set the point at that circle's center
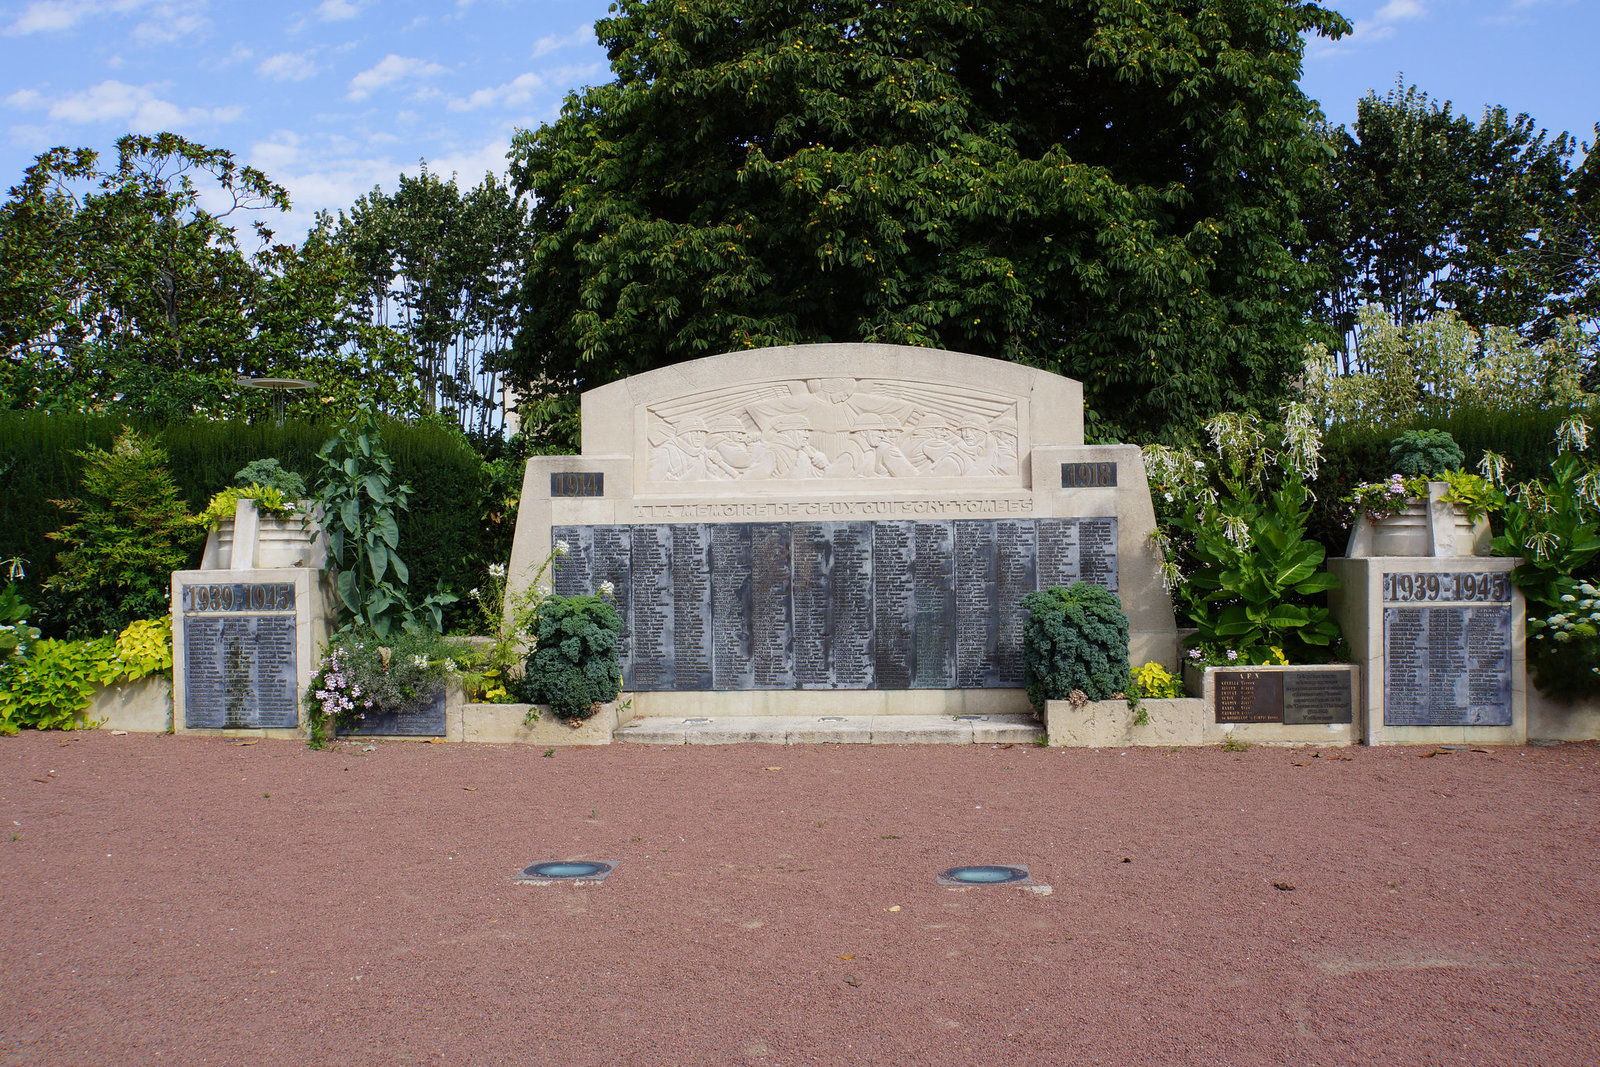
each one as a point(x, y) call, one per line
point(445, 536)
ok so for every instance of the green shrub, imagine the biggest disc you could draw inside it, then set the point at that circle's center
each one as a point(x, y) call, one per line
point(52, 686)
point(1424, 453)
point(1075, 638)
point(130, 531)
point(573, 666)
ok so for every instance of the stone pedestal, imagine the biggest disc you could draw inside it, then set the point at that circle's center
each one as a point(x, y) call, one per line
point(1440, 644)
point(245, 644)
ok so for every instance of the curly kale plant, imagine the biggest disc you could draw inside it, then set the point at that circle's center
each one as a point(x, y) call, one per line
point(1425, 453)
point(1075, 638)
point(573, 667)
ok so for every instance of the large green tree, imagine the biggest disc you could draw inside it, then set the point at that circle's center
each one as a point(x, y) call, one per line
point(1426, 211)
point(1111, 190)
point(439, 269)
point(122, 284)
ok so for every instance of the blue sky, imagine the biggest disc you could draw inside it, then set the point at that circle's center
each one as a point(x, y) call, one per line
point(332, 97)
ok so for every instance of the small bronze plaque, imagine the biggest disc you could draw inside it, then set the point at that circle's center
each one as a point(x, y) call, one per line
point(1248, 696)
point(1316, 697)
point(577, 483)
point(1088, 475)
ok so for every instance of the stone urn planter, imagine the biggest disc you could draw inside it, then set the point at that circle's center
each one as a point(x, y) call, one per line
point(1430, 527)
point(277, 541)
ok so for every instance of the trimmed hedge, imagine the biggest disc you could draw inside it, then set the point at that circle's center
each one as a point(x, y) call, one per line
point(445, 536)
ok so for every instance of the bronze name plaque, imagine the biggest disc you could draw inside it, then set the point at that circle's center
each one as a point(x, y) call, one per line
point(1317, 698)
point(1088, 475)
point(1248, 696)
point(577, 483)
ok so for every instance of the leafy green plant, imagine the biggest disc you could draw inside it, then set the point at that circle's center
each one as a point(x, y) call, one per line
point(359, 506)
point(269, 501)
point(1554, 525)
point(1154, 681)
point(1074, 638)
point(363, 672)
point(130, 532)
point(574, 666)
point(1473, 493)
point(52, 686)
point(1235, 547)
point(1425, 453)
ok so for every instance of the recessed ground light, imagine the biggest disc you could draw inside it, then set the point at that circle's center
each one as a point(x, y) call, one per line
point(986, 874)
point(695, 722)
point(971, 718)
point(831, 718)
point(575, 871)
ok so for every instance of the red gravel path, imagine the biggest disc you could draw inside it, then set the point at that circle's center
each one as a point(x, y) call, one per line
point(184, 900)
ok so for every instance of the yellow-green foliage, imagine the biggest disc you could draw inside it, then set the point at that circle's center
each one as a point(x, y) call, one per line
point(54, 685)
point(145, 647)
point(1153, 681)
point(1448, 365)
point(268, 502)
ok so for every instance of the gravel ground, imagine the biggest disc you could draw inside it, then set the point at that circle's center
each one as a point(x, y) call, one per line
point(189, 900)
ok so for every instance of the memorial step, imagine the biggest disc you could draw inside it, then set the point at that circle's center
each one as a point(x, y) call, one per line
point(834, 729)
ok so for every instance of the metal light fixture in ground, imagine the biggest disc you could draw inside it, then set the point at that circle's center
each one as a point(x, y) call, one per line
point(986, 874)
point(576, 872)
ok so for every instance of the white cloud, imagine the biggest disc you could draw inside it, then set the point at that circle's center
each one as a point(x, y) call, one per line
point(280, 152)
point(287, 66)
point(45, 16)
point(338, 10)
point(1400, 9)
point(138, 106)
point(1381, 26)
point(25, 99)
point(550, 42)
point(165, 21)
point(514, 93)
point(390, 69)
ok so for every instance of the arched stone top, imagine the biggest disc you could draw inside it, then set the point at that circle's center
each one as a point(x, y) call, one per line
point(831, 415)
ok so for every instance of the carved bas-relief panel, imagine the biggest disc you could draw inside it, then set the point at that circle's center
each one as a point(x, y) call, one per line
point(833, 429)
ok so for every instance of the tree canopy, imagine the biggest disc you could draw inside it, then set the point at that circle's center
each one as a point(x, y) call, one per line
point(1108, 190)
point(1428, 211)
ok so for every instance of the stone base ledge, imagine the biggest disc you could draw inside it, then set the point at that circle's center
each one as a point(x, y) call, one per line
point(142, 707)
point(1181, 722)
point(505, 724)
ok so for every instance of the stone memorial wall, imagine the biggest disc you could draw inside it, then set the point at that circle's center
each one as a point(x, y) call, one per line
point(839, 517)
point(851, 605)
point(245, 643)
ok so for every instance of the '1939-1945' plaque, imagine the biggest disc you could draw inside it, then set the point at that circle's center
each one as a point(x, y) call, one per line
point(239, 656)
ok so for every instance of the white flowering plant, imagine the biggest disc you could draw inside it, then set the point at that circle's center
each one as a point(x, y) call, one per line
point(362, 673)
point(1231, 531)
point(1553, 524)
